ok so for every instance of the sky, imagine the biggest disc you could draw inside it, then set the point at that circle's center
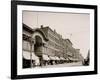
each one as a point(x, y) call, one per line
point(74, 26)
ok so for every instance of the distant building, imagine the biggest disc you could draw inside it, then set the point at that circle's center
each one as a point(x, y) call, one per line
point(87, 59)
point(44, 45)
point(78, 55)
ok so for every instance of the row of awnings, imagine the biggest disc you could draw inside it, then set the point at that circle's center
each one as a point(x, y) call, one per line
point(27, 55)
point(73, 59)
point(46, 57)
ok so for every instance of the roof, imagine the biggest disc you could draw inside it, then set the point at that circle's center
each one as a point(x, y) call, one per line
point(27, 28)
point(53, 31)
point(68, 40)
point(30, 30)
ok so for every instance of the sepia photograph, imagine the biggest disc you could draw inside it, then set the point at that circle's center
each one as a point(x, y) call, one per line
point(52, 39)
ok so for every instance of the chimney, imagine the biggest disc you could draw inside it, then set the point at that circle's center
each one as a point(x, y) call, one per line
point(41, 26)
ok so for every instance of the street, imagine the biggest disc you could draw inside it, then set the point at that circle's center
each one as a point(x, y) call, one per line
point(63, 65)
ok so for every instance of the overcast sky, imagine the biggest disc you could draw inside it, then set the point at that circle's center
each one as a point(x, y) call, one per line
point(65, 24)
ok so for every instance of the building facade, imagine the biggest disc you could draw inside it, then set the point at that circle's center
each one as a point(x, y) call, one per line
point(44, 46)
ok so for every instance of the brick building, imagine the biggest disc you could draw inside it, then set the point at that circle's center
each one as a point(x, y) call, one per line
point(44, 46)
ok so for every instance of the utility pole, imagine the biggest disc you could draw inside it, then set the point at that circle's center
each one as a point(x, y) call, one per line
point(31, 49)
point(70, 35)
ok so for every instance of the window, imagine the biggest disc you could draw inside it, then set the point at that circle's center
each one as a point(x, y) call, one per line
point(26, 45)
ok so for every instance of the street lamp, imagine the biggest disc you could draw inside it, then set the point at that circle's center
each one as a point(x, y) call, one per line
point(31, 42)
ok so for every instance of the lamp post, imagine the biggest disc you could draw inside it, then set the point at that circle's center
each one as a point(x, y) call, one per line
point(31, 42)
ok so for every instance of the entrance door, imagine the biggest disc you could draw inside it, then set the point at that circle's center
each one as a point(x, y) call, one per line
point(38, 48)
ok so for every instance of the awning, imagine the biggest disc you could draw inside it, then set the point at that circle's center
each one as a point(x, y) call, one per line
point(67, 59)
point(69, 53)
point(45, 57)
point(52, 57)
point(26, 55)
point(57, 58)
point(62, 58)
point(75, 59)
point(70, 58)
